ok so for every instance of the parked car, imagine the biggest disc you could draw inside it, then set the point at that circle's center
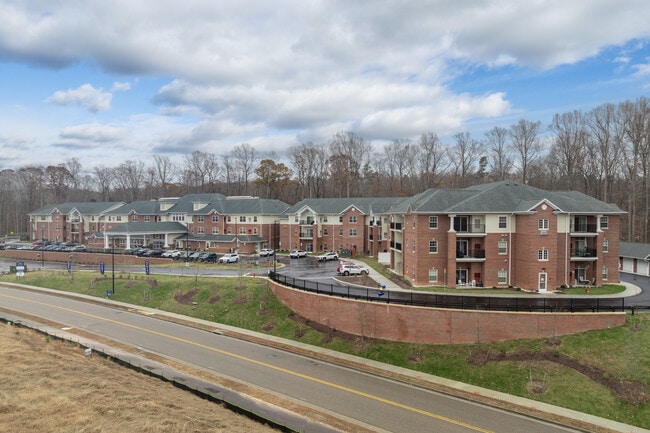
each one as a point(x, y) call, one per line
point(265, 252)
point(183, 255)
point(296, 254)
point(330, 255)
point(229, 258)
point(347, 269)
point(79, 249)
point(194, 256)
point(153, 253)
point(169, 253)
point(208, 257)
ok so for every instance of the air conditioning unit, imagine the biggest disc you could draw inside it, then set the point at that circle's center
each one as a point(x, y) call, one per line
point(543, 232)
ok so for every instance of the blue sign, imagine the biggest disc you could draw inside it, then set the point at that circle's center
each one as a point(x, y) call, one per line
point(109, 293)
point(68, 266)
point(101, 268)
point(146, 267)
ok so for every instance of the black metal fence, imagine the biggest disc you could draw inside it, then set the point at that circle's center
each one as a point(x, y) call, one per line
point(530, 303)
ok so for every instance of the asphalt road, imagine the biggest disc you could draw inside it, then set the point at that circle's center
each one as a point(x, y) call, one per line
point(371, 400)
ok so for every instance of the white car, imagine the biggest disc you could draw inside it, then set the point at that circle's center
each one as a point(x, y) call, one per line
point(266, 252)
point(331, 255)
point(352, 270)
point(170, 253)
point(229, 258)
point(296, 254)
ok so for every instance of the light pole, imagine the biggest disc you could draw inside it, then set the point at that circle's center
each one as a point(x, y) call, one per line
point(113, 262)
point(42, 248)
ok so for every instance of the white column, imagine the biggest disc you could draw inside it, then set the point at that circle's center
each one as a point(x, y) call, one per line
point(128, 242)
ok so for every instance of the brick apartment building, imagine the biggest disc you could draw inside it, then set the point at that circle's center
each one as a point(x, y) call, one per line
point(499, 234)
point(206, 222)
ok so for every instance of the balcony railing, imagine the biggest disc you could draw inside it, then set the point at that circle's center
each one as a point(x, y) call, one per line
point(308, 234)
point(584, 252)
point(474, 228)
point(471, 254)
point(583, 228)
point(396, 246)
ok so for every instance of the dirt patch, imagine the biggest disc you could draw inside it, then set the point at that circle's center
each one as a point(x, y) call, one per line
point(214, 299)
point(358, 280)
point(631, 392)
point(185, 298)
point(268, 327)
point(241, 300)
point(52, 386)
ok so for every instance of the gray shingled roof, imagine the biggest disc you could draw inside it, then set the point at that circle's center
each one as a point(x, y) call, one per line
point(634, 250)
point(85, 208)
point(145, 207)
point(366, 205)
point(505, 196)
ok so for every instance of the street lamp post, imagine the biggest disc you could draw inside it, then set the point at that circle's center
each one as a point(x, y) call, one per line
point(42, 248)
point(113, 262)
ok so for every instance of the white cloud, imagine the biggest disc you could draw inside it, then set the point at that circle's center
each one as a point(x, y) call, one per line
point(86, 96)
point(91, 135)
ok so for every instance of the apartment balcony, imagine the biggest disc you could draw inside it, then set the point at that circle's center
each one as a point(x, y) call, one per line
point(470, 230)
point(396, 226)
point(584, 254)
point(307, 234)
point(396, 246)
point(307, 222)
point(583, 229)
point(477, 255)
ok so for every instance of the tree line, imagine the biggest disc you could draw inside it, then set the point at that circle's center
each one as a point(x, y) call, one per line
point(604, 152)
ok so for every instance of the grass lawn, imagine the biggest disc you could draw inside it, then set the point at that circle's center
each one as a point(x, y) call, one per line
point(528, 368)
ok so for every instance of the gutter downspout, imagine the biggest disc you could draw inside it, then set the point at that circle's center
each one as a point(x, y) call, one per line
point(510, 251)
point(566, 248)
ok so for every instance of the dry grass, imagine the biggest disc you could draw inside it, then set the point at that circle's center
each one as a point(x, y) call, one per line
point(50, 386)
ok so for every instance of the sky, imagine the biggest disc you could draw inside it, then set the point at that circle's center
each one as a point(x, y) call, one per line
point(111, 81)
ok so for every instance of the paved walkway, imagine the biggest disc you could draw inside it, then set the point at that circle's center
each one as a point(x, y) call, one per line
point(386, 284)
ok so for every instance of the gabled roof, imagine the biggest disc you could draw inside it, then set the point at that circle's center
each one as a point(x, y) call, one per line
point(505, 196)
point(227, 205)
point(84, 208)
point(335, 206)
point(145, 207)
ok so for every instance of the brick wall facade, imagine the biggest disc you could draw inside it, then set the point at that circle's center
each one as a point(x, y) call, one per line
point(437, 326)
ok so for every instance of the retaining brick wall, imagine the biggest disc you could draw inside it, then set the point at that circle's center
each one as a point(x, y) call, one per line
point(434, 325)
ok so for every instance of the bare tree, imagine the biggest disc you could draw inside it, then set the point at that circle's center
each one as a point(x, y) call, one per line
point(607, 133)
point(465, 155)
point(164, 169)
point(433, 159)
point(568, 147)
point(525, 141)
point(129, 177)
point(636, 153)
point(349, 154)
point(398, 164)
point(245, 157)
point(499, 158)
point(104, 177)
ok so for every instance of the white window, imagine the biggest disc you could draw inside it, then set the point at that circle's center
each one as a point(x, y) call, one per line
point(433, 275)
point(229, 230)
point(254, 230)
point(200, 218)
point(502, 277)
point(147, 218)
point(119, 217)
point(255, 219)
point(242, 218)
point(604, 222)
point(543, 223)
point(215, 230)
point(134, 218)
point(353, 232)
point(242, 230)
point(542, 255)
point(503, 247)
point(604, 273)
point(605, 246)
point(503, 222)
point(341, 218)
point(229, 219)
point(178, 217)
point(433, 222)
point(325, 231)
point(200, 230)
point(352, 218)
point(340, 232)
point(433, 246)
point(325, 219)
point(215, 218)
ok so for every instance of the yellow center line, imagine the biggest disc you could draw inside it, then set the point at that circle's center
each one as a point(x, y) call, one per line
point(267, 365)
